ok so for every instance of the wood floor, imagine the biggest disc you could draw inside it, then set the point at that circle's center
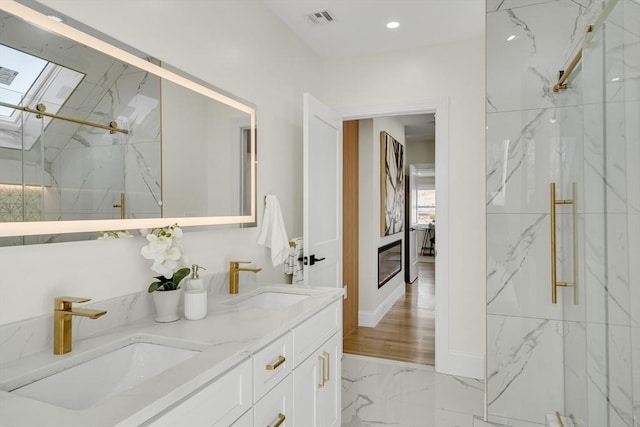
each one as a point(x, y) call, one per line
point(407, 331)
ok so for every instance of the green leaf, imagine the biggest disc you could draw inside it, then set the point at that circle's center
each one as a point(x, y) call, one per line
point(154, 286)
point(179, 275)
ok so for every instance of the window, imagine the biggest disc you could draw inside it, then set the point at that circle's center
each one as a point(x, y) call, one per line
point(426, 206)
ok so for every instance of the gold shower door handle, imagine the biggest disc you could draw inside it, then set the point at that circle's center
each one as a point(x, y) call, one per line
point(121, 205)
point(554, 268)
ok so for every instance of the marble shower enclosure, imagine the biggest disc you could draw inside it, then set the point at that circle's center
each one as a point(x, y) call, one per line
point(580, 359)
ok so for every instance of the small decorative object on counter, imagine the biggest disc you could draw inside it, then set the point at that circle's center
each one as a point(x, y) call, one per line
point(195, 296)
point(195, 304)
point(167, 252)
point(195, 283)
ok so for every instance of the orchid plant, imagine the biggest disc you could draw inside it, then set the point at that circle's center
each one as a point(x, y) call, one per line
point(109, 235)
point(167, 252)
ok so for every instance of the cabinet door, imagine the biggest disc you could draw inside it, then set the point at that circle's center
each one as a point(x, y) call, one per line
point(316, 385)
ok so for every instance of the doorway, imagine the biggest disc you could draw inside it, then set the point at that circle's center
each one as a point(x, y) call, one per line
point(405, 302)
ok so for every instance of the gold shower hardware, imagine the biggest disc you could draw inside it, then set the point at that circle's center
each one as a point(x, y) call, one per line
point(41, 109)
point(564, 74)
point(560, 423)
point(554, 280)
point(121, 205)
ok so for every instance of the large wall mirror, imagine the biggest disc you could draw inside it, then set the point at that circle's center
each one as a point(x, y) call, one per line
point(96, 136)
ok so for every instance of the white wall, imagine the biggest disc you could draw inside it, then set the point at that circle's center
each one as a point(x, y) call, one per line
point(423, 151)
point(217, 42)
point(455, 71)
point(370, 297)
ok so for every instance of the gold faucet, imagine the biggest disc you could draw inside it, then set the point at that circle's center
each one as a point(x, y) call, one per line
point(234, 276)
point(62, 329)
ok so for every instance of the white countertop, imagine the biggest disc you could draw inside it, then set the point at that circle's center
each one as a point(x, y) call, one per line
point(226, 337)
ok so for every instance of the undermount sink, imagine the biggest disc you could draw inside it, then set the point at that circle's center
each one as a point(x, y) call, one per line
point(91, 382)
point(270, 300)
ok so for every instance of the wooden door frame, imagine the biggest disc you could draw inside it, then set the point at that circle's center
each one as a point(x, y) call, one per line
point(446, 361)
point(350, 221)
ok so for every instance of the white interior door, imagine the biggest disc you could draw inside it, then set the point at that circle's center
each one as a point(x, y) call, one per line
point(322, 186)
point(413, 225)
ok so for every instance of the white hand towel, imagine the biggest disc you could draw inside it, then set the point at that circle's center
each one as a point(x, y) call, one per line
point(273, 233)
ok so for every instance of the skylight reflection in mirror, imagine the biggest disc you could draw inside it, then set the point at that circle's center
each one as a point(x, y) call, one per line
point(27, 80)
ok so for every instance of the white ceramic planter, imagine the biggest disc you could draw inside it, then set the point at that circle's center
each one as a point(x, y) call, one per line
point(167, 303)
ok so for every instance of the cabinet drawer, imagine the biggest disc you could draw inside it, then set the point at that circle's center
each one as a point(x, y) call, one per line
point(272, 364)
point(219, 403)
point(310, 334)
point(276, 406)
point(245, 421)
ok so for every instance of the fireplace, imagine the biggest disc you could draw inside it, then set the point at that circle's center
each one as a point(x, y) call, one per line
point(389, 262)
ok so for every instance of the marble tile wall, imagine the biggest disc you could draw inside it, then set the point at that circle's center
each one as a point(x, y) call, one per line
point(579, 359)
point(34, 335)
point(93, 167)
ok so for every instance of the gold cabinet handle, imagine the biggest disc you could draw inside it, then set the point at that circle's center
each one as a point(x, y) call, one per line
point(327, 370)
point(322, 374)
point(276, 365)
point(554, 270)
point(281, 418)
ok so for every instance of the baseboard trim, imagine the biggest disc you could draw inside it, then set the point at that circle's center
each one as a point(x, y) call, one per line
point(370, 318)
point(464, 365)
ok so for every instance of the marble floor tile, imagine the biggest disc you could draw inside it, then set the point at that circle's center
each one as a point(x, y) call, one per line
point(378, 392)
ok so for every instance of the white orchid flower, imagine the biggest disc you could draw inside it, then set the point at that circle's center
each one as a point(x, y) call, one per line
point(165, 268)
point(165, 249)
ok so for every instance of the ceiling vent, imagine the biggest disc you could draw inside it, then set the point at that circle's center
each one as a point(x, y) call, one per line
point(321, 17)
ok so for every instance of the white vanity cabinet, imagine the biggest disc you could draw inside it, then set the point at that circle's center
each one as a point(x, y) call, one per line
point(292, 381)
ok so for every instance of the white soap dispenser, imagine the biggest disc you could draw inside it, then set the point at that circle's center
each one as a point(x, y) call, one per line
point(195, 296)
point(194, 283)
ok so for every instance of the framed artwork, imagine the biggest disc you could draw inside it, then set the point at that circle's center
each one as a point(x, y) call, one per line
point(391, 185)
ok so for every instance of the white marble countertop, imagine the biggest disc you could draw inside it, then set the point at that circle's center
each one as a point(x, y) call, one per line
point(227, 336)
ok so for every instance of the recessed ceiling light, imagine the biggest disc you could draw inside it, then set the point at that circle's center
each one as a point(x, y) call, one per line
point(393, 24)
point(512, 37)
point(56, 18)
point(615, 79)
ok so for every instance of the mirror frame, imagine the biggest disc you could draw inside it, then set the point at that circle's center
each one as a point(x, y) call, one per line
point(31, 228)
